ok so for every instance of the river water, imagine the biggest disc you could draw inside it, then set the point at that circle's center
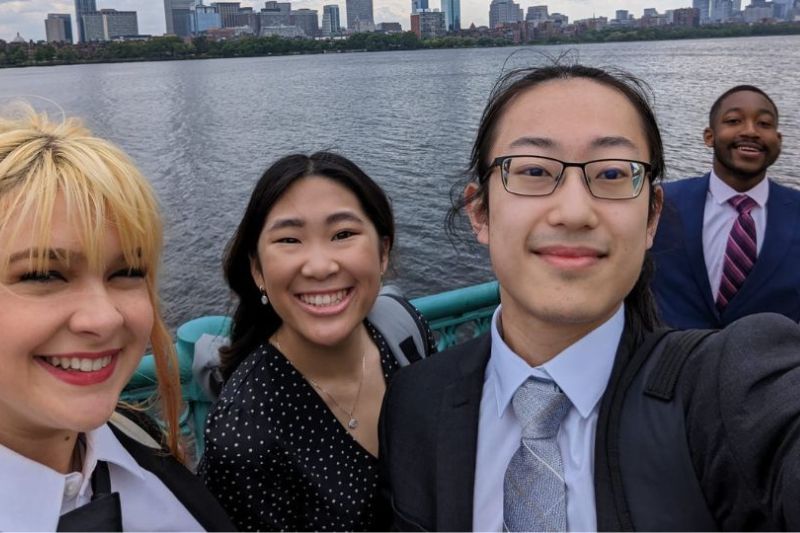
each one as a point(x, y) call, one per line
point(204, 131)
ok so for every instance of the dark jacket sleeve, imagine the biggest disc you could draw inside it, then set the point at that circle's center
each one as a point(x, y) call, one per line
point(744, 423)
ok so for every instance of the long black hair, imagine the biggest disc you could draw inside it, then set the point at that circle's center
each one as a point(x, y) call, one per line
point(252, 321)
point(640, 308)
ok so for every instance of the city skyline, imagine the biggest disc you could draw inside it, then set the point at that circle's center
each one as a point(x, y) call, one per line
point(27, 16)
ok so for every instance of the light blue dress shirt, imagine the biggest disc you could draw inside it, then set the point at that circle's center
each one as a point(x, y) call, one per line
point(582, 372)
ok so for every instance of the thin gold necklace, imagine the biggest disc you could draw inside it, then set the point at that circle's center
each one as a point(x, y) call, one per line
point(352, 421)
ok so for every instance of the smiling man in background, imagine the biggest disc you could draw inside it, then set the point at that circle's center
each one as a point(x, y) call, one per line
point(728, 241)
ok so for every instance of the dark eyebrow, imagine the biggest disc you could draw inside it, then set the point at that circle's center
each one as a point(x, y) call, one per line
point(333, 218)
point(343, 216)
point(612, 141)
point(540, 142)
point(282, 223)
point(762, 111)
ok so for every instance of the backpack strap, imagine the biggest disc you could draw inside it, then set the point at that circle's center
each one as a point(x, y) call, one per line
point(677, 350)
point(401, 326)
point(121, 421)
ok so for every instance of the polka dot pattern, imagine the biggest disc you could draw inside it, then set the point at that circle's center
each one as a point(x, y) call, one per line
point(278, 459)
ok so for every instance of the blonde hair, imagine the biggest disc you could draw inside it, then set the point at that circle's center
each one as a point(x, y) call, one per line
point(40, 159)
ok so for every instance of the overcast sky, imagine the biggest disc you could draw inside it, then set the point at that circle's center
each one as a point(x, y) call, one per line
point(27, 16)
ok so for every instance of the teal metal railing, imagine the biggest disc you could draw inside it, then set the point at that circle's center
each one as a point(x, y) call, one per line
point(454, 316)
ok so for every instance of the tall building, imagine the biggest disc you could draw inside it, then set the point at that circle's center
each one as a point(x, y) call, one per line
point(307, 20)
point(331, 21)
point(359, 15)
point(452, 14)
point(228, 13)
point(503, 12)
point(83, 7)
point(427, 24)
point(178, 14)
point(204, 18)
point(720, 10)
point(702, 6)
point(536, 14)
point(58, 28)
point(687, 17)
point(419, 5)
point(276, 14)
point(109, 24)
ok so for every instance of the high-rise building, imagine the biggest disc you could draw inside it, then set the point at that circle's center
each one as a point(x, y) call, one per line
point(419, 5)
point(228, 13)
point(686, 17)
point(720, 10)
point(204, 18)
point(307, 20)
point(452, 14)
point(109, 24)
point(276, 14)
point(702, 6)
point(359, 15)
point(177, 14)
point(536, 14)
point(331, 21)
point(650, 12)
point(427, 24)
point(83, 7)
point(58, 28)
point(503, 12)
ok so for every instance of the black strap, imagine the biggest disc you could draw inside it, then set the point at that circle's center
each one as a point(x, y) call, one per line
point(102, 513)
point(677, 349)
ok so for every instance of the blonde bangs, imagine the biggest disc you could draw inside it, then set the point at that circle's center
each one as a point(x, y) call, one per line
point(100, 185)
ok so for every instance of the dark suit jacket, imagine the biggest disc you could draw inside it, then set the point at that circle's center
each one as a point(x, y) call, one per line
point(186, 487)
point(681, 285)
point(742, 424)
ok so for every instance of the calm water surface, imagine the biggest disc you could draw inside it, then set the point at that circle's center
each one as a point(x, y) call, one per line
point(204, 131)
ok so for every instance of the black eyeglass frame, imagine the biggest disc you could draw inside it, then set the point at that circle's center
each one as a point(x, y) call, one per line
point(498, 162)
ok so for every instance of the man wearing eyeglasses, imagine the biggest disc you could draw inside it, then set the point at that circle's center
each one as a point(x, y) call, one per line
point(729, 241)
point(574, 413)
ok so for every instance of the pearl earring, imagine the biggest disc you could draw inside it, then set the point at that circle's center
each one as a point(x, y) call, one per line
point(264, 299)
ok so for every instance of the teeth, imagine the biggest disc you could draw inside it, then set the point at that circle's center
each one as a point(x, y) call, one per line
point(81, 365)
point(322, 300)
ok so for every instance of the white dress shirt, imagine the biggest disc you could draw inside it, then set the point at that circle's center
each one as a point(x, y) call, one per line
point(34, 496)
point(718, 219)
point(581, 371)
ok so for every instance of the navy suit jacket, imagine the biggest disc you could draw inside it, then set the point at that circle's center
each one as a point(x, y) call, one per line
point(681, 287)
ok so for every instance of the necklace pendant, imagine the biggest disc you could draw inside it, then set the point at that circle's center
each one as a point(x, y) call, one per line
point(353, 424)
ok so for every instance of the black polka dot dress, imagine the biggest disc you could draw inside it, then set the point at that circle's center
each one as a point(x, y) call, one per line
point(278, 459)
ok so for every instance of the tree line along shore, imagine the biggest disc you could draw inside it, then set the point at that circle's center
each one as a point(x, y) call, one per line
point(41, 53)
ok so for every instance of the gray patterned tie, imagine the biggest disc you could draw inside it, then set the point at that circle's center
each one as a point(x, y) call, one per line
point(534, 492)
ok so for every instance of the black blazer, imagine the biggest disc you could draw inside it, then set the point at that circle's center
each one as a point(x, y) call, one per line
point(186, 486)
point(741, 397)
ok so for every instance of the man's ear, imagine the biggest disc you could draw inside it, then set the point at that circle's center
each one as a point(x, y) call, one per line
point(652, 223)
point(708, 137)
point(477, 212)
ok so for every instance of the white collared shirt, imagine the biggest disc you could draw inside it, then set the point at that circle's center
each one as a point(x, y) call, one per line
point(718, 219)
point(582, 372)
point(34, 496)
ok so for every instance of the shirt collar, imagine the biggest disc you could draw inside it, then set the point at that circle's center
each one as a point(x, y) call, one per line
point(35, 492)
point(582, 370)
point(721, 192)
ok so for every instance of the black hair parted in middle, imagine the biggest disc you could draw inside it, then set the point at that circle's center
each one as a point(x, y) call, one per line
point(640, 305)
point(252, 321)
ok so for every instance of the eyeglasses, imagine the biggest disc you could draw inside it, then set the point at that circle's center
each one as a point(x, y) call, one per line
point(608, 179)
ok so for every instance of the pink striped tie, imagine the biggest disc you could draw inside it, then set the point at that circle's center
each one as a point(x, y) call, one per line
point(741, 252)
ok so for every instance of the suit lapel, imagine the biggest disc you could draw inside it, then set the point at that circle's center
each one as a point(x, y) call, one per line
point(458, 440)
point(691, 208)
point(783, 216)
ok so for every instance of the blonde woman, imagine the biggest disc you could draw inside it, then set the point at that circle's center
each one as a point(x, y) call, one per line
point(80, 240)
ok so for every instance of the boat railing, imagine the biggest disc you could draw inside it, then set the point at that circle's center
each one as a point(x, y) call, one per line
point(454, 316)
